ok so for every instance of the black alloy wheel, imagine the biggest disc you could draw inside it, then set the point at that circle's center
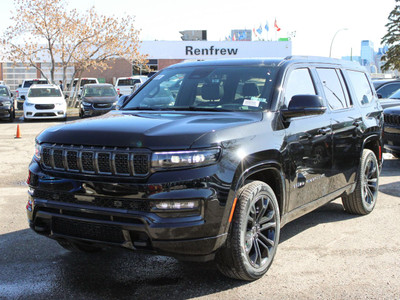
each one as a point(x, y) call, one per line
point(254, 234)
point(362, 201)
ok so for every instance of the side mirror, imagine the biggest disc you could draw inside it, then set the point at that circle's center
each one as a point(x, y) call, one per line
point(304, 105)
point(12, 95)
point(23, 97)
point(379, 96)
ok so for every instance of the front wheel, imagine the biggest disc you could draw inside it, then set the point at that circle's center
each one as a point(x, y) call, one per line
point(362, 201)
point(254, 234)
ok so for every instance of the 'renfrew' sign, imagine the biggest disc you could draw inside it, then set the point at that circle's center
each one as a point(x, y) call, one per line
point(190, 50)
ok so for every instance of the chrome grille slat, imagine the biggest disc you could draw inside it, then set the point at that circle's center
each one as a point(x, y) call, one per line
point(96, 160)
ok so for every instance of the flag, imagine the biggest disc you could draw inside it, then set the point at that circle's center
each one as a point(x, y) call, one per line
point(234, 37)
point(259, 30)
point(266, 26)
point(276, 26)
point(254, 31)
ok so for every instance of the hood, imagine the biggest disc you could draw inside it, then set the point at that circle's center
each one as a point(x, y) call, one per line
point(3, 98)
point(46, 100)
point(107, 99)
point(395, 110)
point(153, 130)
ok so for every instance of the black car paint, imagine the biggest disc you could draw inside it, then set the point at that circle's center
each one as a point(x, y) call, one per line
point(391, 130)
point(308, 161)
point(7, 111)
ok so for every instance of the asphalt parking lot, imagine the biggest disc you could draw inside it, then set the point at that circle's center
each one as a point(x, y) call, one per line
point(327, 254)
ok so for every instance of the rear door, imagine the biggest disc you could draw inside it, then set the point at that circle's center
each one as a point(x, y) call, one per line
point(346, 124)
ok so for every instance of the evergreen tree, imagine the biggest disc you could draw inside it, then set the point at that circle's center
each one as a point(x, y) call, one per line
point(392, 39)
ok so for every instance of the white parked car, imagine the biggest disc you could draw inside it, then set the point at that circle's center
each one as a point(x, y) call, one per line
point(125, 85)
point(45, 101)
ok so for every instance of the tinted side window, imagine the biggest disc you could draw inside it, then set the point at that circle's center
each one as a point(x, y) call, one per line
point(299, 83)
point(388, 89)
point(361, 87)
point(334, 92)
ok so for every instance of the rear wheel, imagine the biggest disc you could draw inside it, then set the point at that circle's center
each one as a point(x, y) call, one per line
point(254, 234)
point(362, 201)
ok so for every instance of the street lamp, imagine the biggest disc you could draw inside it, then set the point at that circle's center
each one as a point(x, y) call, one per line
point(330, 50)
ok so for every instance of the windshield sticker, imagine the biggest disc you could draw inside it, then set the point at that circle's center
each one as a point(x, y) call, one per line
point(253, 103)
point(158, 77)
point(259, 99)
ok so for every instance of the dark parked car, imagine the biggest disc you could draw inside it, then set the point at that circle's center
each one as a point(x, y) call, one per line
point(209, 160)
point(7, 109)
point(97, 99)
point(391, 130)
point(386, 87)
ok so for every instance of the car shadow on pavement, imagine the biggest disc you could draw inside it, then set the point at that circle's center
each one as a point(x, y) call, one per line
point(329, 213)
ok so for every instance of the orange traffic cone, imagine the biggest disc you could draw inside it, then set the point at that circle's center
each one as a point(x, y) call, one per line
point(18, 136)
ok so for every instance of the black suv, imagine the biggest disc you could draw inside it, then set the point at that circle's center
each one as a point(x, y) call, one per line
point(208, 160)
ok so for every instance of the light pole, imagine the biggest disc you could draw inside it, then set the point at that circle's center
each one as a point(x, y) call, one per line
point(330, 50)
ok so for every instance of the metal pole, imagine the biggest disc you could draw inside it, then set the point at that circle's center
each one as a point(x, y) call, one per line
point(330, 50)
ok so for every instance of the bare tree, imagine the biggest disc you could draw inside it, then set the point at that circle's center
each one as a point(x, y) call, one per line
point(44, 31)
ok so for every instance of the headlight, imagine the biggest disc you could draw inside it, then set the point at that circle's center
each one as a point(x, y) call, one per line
point(29, 103)
point(182, 159)
point(86, 103)
point(7, 103)
point(38, 150)
point(60, 104)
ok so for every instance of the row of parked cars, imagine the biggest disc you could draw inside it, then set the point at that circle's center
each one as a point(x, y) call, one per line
point(40, 100)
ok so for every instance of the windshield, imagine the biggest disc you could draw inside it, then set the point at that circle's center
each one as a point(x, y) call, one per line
point(125, 82)
point(4, 92)
point(222, 88)
point(44, 92)
point(395, 95)
point(99, 91)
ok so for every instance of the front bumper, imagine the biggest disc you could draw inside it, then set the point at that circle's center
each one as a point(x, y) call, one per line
point(59, 112)
point(124, 214)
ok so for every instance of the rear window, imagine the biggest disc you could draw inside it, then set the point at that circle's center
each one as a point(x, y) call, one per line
point(126, 82)
point(28, 83)
point(362, 88)
point(85, 81)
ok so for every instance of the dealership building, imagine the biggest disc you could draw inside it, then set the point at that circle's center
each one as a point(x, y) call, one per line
point(160, 54)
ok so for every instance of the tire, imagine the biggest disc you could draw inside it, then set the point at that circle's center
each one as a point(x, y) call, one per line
point(75, 247)
point(253, 236)
point(363, 199)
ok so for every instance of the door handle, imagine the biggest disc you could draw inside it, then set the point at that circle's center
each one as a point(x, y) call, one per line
point(324, 131)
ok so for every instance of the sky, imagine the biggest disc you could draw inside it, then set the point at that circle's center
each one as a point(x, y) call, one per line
point(311, 23)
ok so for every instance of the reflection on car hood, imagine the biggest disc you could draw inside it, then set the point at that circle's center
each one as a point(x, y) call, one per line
point(153, 130)
point(386, 102)
point(104, 99)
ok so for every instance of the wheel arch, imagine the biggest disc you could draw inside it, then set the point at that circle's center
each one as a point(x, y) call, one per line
point(269, 172)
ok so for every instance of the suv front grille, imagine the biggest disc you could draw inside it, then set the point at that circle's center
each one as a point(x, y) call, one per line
point(392, 119)
point(96, 160)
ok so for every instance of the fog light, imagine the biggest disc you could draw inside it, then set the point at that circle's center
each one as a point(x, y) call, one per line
point(177, 205)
